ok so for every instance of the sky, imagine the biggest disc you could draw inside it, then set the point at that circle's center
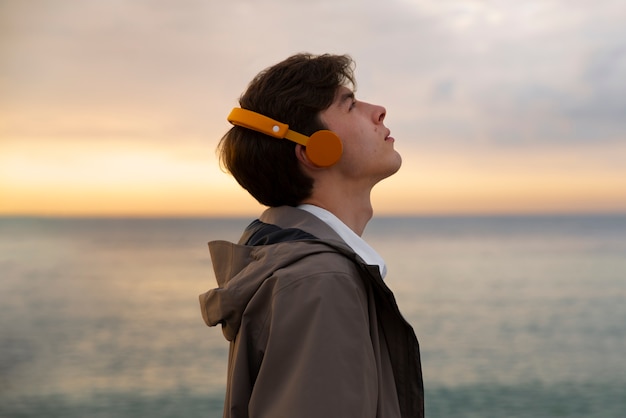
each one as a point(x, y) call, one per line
point(114, 108)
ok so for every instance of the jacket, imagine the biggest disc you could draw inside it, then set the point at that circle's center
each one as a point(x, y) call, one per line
point(313, 330)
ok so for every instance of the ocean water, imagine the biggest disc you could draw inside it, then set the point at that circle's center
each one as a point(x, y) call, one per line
point(516, 316)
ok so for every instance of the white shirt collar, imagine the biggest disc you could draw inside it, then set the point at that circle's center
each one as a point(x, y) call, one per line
point(358, 244)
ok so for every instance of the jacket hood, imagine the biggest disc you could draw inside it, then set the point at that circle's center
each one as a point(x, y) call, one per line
point(284, 236)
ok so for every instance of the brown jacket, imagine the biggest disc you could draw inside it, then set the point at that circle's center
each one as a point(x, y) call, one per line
point(313, 331)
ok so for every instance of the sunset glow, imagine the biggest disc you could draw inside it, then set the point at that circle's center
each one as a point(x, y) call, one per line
point(70, 179)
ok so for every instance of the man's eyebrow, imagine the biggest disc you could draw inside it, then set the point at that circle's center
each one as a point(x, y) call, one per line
point(345, 97)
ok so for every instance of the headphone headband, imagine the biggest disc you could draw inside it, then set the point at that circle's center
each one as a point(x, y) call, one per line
point(323, 148)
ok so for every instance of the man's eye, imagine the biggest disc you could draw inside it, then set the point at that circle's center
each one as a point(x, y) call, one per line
point(353, 104)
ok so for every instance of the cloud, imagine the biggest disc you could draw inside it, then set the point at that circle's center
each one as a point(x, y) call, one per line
point(519, 74)
point(601, 112)
point(459, 71)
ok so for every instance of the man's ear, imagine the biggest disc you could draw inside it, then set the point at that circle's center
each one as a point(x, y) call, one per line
point(300, 151)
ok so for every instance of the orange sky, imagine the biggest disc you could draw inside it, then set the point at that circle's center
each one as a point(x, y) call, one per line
point(115, 178)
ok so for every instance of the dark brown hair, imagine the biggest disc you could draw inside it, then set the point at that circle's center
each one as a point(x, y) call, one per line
point(294, 92)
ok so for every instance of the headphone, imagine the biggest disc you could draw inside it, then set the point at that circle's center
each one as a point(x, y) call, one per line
point(323, 148)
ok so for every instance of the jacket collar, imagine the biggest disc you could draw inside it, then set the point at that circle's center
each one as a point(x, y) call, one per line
point(291, 217)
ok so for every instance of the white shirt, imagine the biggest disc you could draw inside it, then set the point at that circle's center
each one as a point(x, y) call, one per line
point(358, 244)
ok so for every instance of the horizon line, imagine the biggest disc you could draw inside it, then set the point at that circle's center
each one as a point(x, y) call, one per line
point(528, 214)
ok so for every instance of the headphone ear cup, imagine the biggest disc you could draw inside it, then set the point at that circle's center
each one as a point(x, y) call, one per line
point(324, 148)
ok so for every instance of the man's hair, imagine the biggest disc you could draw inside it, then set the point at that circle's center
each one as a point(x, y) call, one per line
point(294, 92)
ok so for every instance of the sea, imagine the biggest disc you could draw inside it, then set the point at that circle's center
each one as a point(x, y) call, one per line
point(517, 316)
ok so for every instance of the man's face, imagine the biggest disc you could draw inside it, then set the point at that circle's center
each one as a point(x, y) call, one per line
point(368, 150)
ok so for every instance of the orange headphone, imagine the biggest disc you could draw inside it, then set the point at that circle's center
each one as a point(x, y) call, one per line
point(323, 148)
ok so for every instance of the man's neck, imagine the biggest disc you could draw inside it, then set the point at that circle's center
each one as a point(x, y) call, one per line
point(353, 210)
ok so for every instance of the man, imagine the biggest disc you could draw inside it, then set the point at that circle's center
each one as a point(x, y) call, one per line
point(313, 329)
